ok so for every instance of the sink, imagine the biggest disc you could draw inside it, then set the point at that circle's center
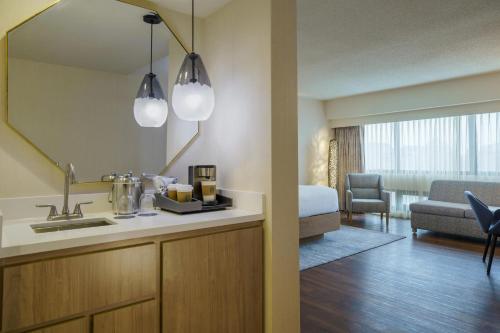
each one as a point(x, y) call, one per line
point(70, 225)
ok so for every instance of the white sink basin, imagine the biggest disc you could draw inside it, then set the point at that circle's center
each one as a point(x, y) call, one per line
point(70, 225)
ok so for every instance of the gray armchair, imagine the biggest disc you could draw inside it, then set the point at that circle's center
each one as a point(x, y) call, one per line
point(365, 194)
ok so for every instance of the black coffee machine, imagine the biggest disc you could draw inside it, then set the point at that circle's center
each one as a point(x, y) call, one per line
point(199, 173)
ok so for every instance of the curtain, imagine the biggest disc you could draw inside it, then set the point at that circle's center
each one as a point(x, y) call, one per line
point(332, 164)
point(350, 156)
point(411, 154)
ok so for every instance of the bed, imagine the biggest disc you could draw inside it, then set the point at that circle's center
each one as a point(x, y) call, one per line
point(318, 210)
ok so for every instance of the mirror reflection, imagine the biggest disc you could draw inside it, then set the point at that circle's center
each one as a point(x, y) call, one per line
point(73, 75)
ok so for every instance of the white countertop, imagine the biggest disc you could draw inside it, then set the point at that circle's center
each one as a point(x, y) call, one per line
point(18, 238)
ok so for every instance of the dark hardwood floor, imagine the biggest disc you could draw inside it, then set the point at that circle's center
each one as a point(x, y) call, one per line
point(428, 283)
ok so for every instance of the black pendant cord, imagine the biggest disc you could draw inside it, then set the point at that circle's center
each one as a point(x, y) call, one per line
point(192, 26)
point(151, 76)
point(151, 52)
point(193, 55)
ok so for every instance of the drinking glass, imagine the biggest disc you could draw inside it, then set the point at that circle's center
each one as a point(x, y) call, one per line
point(147, 205)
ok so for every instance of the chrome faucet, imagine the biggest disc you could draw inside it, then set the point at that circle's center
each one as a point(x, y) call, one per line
point(69, 179)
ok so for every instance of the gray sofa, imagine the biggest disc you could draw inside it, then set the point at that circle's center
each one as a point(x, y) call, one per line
point(447, 210)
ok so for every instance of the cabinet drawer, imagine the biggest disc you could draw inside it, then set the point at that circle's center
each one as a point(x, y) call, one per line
point(137, 318)
point(73, 326)
point(52, 289)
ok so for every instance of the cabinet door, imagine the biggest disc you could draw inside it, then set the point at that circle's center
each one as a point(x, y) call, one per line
point(53, 289)
point(137, 318)
point(73, 326)
point(213, 283)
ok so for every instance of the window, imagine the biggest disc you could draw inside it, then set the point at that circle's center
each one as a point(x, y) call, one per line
point(410, 154)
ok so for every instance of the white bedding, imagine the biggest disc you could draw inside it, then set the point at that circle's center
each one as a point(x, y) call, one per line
point(316, 200)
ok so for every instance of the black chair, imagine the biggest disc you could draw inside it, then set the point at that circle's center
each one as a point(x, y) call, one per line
point(489, 222)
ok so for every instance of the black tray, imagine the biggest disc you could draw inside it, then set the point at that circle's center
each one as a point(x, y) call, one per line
point(221, 203)
point(194, 206)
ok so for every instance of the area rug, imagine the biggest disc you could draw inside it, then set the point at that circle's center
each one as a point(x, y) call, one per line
point(340, 244)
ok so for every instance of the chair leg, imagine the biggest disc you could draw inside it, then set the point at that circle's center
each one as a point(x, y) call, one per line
point(492, 254)
point(387, 217)
point(488, 241)
point(381, 216)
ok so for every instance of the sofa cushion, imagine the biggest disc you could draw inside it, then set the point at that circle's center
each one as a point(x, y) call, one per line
point(365, 193)
point(364, 185)
point(368, 205)
point(453, 191)
point(439, 208)
point(364, 180)
point(447, 191)
point(470, 214)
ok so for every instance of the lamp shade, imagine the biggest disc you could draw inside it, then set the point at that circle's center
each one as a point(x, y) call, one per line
point(193, 97)
point(150, 105)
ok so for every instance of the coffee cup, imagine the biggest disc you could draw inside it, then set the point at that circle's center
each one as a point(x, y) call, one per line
point(172, 191)
point(208, 190)
point(184, 193)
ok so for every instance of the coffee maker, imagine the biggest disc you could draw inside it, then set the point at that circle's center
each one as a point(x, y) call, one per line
point(199, 173)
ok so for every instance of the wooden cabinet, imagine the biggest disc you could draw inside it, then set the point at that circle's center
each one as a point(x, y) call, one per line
point(198, 281)
point(41, 291)
point(136, 318)
point(213, 283)
point(73, 326)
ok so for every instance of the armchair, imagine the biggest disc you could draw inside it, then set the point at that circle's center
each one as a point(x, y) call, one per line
point(365, 194)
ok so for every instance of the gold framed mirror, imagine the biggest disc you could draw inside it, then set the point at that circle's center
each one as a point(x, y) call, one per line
point(73, 71)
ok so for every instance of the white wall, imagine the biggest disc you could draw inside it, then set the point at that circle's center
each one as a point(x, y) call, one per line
point(314, 138)
point(474, 94)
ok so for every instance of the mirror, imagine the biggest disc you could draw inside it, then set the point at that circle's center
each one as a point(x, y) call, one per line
point(73, 73)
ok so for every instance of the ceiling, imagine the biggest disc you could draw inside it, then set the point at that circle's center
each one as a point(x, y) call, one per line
point(203, 8)
point(349, 47)
point(112, 38)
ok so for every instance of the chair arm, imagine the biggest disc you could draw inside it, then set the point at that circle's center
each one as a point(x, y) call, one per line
point(348, 200)
point(386, 197)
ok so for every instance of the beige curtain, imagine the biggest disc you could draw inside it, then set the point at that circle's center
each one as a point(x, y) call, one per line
point(350, 156)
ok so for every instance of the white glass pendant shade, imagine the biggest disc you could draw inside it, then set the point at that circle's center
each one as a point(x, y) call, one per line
point(193, 97)
point(193, 101)
point(150, 105)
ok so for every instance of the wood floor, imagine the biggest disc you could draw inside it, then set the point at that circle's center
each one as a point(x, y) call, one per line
point(428, 283)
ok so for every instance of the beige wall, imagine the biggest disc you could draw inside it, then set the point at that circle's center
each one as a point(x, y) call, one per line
point(236, 135)
point(474, 94)
point(282, 239)
point(23, 170)
point(314, 138)
point(252, 135)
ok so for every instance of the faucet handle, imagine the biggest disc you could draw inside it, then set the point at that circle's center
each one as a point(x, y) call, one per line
point(78, 208)
point(53, 210)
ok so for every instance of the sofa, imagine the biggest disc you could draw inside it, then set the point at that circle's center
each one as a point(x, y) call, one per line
point(447, 210)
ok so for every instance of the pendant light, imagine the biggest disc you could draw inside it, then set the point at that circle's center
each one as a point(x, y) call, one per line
point(193, 97)
point(150, 105)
